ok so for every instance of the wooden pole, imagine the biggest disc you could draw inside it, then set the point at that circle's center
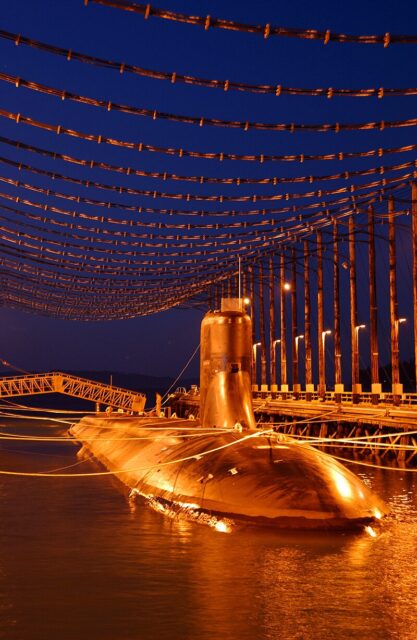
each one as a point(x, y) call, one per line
point(373, 308)
point(393, 304)
point(307, 313)
point(320, 317)
point(353, 308)
point(272, 358)
point(252, 314)
point(336, 308)
point(414, 231)
point(262, 323)
point(283, 322)
point(294, 320)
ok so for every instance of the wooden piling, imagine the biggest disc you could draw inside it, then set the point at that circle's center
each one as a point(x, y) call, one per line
point(414, 234)
point(393, 303)
point(353, 303)
point(262, 322)
point(320, 316)
point(283, 321)
point(294, 319)
point(307, 314)
point(373, 309)
point(252, 314)
point(272, 358)
point(336, 308)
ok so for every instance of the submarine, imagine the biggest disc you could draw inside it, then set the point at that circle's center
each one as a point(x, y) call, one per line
point(220, 470)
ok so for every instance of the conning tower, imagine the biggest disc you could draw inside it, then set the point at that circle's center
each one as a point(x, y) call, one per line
point(226, 367)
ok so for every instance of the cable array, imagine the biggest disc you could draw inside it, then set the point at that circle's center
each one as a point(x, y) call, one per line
point(224, 85)
point(129, 253)
point(266, 31)
point(184, 153)
point(202, 121)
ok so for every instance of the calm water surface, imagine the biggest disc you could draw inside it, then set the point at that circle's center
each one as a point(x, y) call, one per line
point(79, 561)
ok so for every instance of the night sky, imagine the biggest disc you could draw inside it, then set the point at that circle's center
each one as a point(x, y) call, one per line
point(160, 344)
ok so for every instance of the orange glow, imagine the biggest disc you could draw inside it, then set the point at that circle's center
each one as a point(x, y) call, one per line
point(222, 527)
point(371, 531)
point(342, 485)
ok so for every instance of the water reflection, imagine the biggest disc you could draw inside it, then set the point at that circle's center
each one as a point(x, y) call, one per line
point(79, 560)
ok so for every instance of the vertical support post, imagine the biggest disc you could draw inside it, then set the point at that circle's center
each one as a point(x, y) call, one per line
point(210, 297)
point(320, 317)
point(283, 343)
point(373, 310)
point(272, 357)
point(294, 323)
point(222, 291)
point(414, 233)
point(338, 385)
point(229, 287)
point(307, 325)
point(252, 315)
point(216, 296)
point(262, 325)
point(393, 304)
point(353, 312)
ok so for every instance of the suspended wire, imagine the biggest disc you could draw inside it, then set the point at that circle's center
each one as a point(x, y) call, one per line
point(225, 85)
point(182, 153)
point(318, 193)
point(238, 181)
point(266, 30)
point(201, 121)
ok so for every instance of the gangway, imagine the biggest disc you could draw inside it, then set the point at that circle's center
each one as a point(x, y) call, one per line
point(77, 387)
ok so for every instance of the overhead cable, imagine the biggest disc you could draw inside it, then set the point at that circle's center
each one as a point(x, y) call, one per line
point(181, 153)
point(267, 30)
point(201, 121)
point(173, 77)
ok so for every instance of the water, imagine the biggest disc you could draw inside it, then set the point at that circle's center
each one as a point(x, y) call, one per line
point(79, 561)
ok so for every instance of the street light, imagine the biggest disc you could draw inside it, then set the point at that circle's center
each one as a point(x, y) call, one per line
point(400, 321)
point(286, 286)
point(254, 346)
point(322, 362)
point(297, 338)
point(355, 376)
point(295, 382)
point(274, 355)
point(396, 386)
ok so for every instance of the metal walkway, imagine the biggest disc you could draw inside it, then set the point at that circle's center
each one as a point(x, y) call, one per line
point(57, 382)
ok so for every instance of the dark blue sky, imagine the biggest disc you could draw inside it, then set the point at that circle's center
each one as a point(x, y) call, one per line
point(160, 344)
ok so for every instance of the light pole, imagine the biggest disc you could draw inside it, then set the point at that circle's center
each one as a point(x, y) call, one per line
point(322, 363)
point(396, 386)
point(296, 385)
point(254, 347)
point(274, 351)
point(356, 387)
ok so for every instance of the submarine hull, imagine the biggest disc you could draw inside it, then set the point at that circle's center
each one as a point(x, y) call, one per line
point(254, 478)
